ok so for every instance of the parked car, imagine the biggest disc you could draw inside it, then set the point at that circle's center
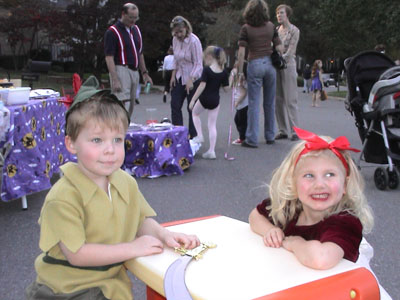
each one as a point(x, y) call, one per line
point(329, 79)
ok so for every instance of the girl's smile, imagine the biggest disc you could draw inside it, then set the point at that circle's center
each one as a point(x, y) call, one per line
point(320, 197)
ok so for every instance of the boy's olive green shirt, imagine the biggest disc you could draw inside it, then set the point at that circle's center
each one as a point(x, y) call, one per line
point(76, 211)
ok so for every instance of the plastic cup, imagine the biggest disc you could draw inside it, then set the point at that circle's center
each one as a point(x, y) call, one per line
point(151, 115)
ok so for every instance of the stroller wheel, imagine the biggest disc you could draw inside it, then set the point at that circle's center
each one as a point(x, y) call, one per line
point(381, 178)
point(393, 178)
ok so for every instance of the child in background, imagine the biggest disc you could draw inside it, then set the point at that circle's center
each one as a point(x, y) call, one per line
point(317, 208)
point(95, 217)
point(241, 102)
point(214, 76)
point(167, 72)
point(316, 84)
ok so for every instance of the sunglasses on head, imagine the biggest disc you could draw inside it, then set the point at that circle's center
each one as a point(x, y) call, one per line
point(176, 21)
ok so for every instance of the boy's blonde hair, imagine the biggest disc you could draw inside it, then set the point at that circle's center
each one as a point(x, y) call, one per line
point(100, 107)
point(217, 53)
point(285, 204)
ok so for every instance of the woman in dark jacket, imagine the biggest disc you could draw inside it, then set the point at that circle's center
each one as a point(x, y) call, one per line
point(258, 35)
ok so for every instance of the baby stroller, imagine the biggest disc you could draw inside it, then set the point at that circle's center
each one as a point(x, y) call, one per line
point(373, 99)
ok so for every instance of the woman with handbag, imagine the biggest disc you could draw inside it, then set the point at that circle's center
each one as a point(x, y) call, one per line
point(316, 84)
point(286, 88)
point(258, 35)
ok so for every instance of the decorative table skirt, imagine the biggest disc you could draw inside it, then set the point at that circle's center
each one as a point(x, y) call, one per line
point(151, 153)
point(34, 147)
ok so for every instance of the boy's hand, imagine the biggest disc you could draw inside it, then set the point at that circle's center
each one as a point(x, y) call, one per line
point(146, 245)
point(274, 237)
point(176, 239)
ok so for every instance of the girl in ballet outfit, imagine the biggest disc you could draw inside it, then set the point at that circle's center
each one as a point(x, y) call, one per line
point(317, 208)
point(214, 76)
point(316, 83)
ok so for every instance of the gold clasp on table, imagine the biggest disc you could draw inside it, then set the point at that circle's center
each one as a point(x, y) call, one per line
point(197, 252)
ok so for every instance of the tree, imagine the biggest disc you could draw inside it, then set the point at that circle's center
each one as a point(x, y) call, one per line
point(330, 28)
point(155, 18)
point(22, 25)
point(82, 28)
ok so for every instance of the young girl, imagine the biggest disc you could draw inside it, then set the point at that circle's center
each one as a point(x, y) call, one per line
point(239, 84)
point(316, 84)
point(317, 208)
point(214, 76)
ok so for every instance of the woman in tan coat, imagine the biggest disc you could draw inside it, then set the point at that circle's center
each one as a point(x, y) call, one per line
point(286, 87)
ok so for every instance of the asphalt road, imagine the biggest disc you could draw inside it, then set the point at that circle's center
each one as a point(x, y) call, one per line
point(231, 188)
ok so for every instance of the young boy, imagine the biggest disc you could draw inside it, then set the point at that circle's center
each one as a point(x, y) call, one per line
point(95, 218)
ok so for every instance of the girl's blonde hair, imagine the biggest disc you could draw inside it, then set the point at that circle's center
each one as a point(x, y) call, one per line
point(285, 204)
point(316, 67)
point(217, 53)
point(180, 21)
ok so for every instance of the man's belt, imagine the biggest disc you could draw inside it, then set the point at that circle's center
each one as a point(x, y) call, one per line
point(174, 280)
point(131, 67)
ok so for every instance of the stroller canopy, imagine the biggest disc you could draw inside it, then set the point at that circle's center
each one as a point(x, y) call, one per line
point(363, 70)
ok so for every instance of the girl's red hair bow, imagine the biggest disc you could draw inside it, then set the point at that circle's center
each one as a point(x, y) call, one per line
point(314, 143)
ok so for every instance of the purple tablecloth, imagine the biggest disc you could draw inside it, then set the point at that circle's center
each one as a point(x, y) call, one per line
point(156, 153)
point(37, 150)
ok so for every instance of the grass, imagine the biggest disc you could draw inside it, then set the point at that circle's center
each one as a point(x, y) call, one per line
point(53, 80)
point(59, 80)
point(340, 94)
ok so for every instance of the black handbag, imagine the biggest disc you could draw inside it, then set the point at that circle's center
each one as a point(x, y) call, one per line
point(277, 60)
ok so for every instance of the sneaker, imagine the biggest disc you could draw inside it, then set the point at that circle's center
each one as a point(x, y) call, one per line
point(294, 137)
point(270, 142)
point(198, 140)
point(281, 136)
point(247, 145)
point(209, 155)
point(237, 142)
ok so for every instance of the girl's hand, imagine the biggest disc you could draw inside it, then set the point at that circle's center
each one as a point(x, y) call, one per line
point(146, 245)
point(176, 239)
point(191, 105)
point(189, 85)
point(289, 241)
point(274, 237)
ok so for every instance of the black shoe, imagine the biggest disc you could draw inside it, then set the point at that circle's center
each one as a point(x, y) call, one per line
point(137, 101)
point(270, 142)
point(281, 136)
point(294, 137)
point(247, 145)
point(164, 99)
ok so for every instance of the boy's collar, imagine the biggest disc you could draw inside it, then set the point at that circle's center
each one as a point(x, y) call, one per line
point(87, 188)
